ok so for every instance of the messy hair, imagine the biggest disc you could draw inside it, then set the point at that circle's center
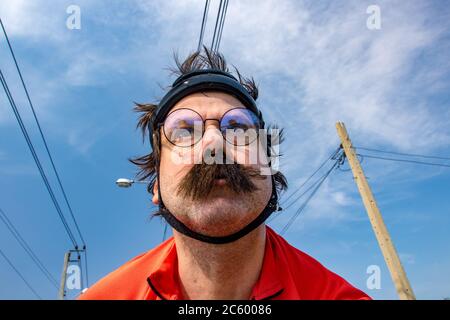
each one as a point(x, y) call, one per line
point(198, 60)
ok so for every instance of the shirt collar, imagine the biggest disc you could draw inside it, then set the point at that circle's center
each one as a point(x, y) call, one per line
point(269, 283)
point(164, 280)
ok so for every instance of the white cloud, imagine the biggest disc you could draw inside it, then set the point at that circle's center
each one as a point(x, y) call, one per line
point(72, 59)
point(315, 61)
point(341, 70)
point(336, 68)
point(316, 64)
point(340, 198)
point(33, 20)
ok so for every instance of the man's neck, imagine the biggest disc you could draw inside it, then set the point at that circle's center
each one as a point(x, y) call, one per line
point(220, 271)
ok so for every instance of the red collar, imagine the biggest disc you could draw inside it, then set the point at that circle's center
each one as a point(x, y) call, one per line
point(165, 283)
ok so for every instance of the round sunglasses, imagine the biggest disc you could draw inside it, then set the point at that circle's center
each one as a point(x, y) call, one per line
point(185, 127)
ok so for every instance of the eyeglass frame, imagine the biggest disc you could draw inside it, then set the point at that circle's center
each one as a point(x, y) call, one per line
point(259, 126)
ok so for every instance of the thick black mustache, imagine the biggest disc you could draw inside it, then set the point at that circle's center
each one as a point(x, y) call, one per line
point(199, 181)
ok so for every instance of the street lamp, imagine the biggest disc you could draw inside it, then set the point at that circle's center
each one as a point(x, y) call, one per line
point(126, 183)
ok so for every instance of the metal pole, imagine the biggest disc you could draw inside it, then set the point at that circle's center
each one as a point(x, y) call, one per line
point(62, 291)
point(395, 267)
point(81, 271)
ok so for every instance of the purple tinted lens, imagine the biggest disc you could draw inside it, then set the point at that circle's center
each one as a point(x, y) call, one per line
point(183, 127)
point(240, 126)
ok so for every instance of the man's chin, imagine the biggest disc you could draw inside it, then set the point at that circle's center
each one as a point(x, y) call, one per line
point(221, 211)
point(217, 201)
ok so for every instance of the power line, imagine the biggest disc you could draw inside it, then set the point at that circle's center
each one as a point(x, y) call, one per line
point(306, 191)
point(361, 160)
point(47, 149)
point(222, 22)
point(312, 175)
point(218, 28)
point(26, 247)
point(303, 206)
point(42, 134)
point(403, 154)
point(36, 159)
point(19, 274)
point(333, 155)
point(202, 29)
point(404, 160)
point(40, 168)
point(298, 197)
point(215, 28)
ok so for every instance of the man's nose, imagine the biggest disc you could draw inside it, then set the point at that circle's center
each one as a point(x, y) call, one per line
point(212, 138)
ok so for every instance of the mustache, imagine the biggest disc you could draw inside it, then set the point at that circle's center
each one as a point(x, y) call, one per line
point(198, 183)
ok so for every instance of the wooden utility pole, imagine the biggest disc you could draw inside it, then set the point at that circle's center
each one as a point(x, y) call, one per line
point(62, 288)
point(395, 267)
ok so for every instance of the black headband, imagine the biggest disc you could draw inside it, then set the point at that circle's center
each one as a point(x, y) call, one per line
point(197, 81)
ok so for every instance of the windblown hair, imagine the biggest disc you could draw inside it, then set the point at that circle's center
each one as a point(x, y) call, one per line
point(206, 59)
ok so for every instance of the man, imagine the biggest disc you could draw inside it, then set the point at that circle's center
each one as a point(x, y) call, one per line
point(216, 194)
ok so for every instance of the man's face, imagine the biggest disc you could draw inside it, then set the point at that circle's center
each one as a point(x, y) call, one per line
point(221, 210)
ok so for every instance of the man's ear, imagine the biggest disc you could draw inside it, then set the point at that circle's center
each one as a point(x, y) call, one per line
point(155, 198)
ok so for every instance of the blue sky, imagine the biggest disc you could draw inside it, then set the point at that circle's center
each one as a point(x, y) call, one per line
point(315, 62)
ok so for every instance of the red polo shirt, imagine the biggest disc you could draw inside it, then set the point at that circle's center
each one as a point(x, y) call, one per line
point(287, 274)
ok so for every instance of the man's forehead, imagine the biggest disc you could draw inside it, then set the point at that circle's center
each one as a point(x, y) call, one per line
point(208, 102)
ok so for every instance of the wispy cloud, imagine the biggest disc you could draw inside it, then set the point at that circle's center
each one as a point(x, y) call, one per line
point(32, 20)
point(319, 63)
point(315, 63)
